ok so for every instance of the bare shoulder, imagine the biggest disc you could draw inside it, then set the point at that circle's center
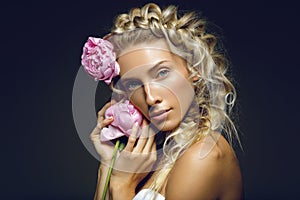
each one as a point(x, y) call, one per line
point(207, 170)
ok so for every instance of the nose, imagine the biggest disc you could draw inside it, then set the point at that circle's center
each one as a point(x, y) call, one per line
point(152, 95)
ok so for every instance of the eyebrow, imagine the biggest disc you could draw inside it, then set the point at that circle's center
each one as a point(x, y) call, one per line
point(156, 66)
point(149, 71)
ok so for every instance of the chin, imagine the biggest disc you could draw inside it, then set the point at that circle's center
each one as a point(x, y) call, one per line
point(166, 125)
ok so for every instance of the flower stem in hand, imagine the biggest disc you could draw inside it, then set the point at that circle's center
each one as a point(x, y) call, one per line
point(110, 169)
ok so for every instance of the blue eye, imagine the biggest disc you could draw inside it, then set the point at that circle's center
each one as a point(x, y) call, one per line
point(162, 73)
point(132, 85)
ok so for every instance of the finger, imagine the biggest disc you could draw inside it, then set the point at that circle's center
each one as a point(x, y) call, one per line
point(143, 138)
point(102, 111)
point(105, 122)
point(150, 142)
point(153, 150)
point(113, 101)
point(94, 136)
point(132, 138)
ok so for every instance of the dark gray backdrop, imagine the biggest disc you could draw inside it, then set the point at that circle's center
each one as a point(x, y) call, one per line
point(41, 43)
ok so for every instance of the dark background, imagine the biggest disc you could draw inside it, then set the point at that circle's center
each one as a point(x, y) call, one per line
point(41, 43)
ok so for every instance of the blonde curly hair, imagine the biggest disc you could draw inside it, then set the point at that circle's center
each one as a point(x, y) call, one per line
point(187, 37)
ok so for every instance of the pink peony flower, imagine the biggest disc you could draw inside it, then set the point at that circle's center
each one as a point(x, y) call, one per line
point(125, 116)
point(99, 60)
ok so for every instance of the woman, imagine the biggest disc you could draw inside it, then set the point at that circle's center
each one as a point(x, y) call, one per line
point(171, 72)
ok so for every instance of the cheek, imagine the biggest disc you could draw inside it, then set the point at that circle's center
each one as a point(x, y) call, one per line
point(138, 100)
point(185, 95)
point(181, 93)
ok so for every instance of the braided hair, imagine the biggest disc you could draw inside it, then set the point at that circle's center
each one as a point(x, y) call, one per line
point(186, 36)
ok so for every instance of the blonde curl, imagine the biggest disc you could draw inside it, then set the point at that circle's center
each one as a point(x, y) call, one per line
point(187, 37)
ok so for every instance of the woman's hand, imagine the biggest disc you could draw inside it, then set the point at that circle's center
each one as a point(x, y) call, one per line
point(104, 149)
point(144, 145)
point(137, 158)
point(133, 163)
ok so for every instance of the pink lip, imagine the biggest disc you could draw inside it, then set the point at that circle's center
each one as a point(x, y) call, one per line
point(160, 115)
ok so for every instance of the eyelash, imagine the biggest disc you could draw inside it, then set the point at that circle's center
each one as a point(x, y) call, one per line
point(137, 83)
point(129, 83)
point(164, 70)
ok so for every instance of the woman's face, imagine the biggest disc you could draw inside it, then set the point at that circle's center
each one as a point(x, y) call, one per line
point(156, 82)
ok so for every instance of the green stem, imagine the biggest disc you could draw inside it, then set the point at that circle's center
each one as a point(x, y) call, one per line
point(110, 169)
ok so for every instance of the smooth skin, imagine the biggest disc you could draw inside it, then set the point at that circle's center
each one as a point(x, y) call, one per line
point(207, 170)
point(215, 176)
point(132, 164)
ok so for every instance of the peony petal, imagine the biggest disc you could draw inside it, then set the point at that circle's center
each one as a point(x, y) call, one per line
point(123, 120)
point(117, 69)
point(108, 81)
point(110, 133)
point(94, 41)
point(109, 112)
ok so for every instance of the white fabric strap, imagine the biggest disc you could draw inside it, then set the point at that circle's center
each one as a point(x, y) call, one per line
point(147, 194)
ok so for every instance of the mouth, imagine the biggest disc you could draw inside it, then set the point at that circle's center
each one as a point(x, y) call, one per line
point(159, 115)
